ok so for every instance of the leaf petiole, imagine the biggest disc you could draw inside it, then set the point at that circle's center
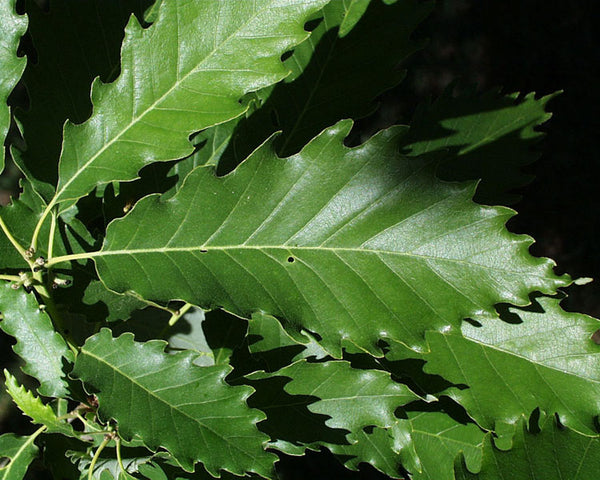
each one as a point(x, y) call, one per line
point(38, 227)
point(72, 257)
point(101, 447)
point(51, 235)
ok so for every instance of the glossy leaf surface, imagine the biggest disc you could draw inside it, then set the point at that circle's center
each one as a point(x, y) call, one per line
point(44, 351)
point(12, 27)
point(182, 74)
point(548, 361)
point(352, 244)
point(167, 401)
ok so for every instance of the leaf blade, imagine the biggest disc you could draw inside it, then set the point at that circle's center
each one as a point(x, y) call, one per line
point(153, 413)
point(547, 361)
point(12, 27)
point(305, 238)
point(45, 352)
point(162, 112)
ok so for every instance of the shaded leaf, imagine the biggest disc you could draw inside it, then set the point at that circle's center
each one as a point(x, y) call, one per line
point(44, 351)
point(488, 136)
point(12, 27)
point(169, 402)
point(21, 451)
point(21, 217)
point(74, 42)
point(547, 361)
point(184, 73)
point(332, 78)
point(429, 443)
point(350, 244)
point(351, 398)
point(373, 447)
point(331, 404)
point(552, 454)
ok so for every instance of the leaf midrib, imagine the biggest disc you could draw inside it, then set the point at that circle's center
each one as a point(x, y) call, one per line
point(290, 249)
point(161, 400)
point(533, 362)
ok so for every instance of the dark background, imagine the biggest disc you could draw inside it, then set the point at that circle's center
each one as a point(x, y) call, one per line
point(524, 46)
point(521, 46)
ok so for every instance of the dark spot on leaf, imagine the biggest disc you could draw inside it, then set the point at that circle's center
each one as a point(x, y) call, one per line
point(596, 337)
point(291, 259)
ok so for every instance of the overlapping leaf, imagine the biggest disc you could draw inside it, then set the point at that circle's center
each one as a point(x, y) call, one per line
point(547, 361)
point(332, 78)
point(66, 37)
point(44, 351)
point(21, 451)
point(21, 217)
point(33, 407)
point(184, 73)
point(429, 442)
point(352, 398)
point(352, 244)
point(12, 27)
point(168, 402)
point(554, 453)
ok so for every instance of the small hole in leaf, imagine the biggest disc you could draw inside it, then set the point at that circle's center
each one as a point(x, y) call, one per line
point(4, 461)
point(291, 259)
point(203, 251)
point(596, 337)
point(286, 55)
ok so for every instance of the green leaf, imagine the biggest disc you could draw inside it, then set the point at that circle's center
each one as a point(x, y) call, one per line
point(333, 78)
point(33, 407)
point(331, 404)
point(354, 245)
point(486, 136)
point(12, 27)
point(184, 73)
point(21, 451)
point(547, 361)
point(168, 402)
point(353, 10)
point(44, 351)
point(554, 453)
point(66, 37)
point(21, 217)
point(429, 443)
point(373, 446)
point(352, 398)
